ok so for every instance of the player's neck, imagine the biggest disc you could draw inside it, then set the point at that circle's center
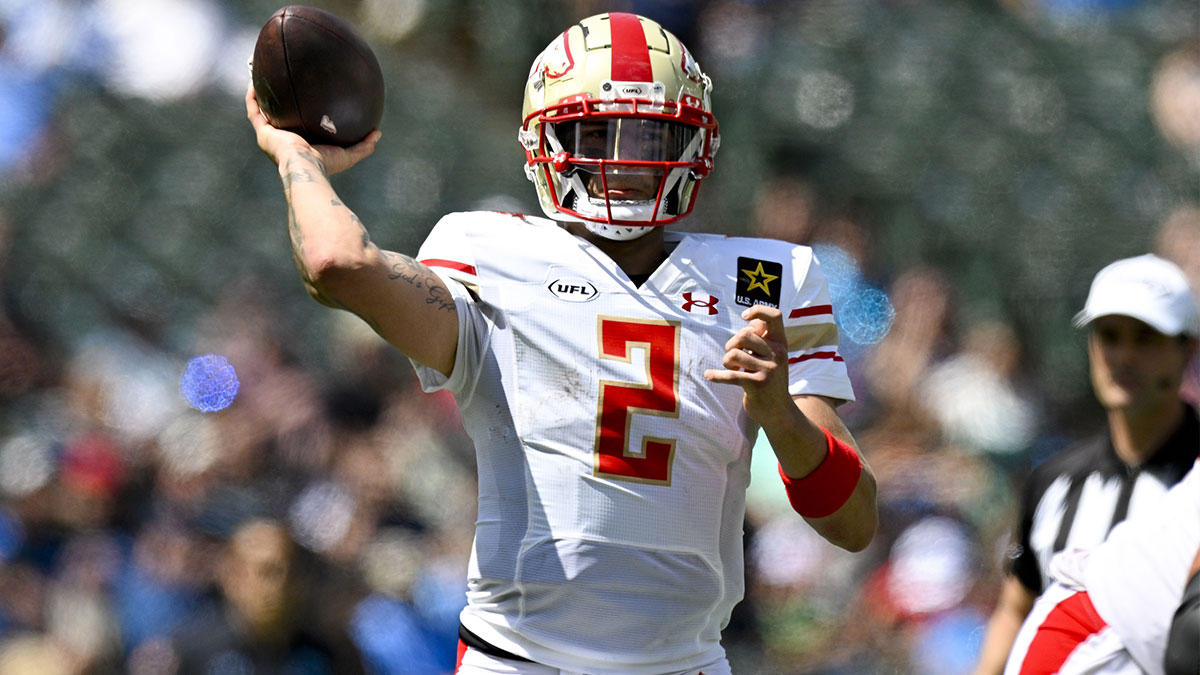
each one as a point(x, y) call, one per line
point(639, 257)
point(1137, 435)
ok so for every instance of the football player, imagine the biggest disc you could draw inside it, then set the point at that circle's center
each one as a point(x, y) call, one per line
point(612, 373)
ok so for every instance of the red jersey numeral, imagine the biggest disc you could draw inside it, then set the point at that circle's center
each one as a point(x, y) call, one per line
point(620, 401)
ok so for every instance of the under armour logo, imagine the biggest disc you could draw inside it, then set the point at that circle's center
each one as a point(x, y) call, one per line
point(710, 304)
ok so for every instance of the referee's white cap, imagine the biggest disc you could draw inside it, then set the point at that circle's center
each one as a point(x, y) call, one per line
point(1148, 288)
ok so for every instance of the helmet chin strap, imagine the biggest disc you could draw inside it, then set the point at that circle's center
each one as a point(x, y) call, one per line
point(616, 232)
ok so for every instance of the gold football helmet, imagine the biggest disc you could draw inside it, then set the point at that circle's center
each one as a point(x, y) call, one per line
point(618, 127)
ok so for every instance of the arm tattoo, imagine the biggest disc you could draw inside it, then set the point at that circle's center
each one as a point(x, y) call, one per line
point(441, 297)
point(315, 160)
point(297, 173)
point(362, 229)
point(296, 235)
point(296, 176)
point(404, 268)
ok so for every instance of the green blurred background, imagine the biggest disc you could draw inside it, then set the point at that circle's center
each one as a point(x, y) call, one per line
point(977, 161)
point(1013, 147)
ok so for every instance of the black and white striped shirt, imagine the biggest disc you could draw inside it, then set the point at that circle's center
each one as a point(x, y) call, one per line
point(1076, 497)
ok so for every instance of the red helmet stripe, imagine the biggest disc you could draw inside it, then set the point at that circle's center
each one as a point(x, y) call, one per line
point(630, 54)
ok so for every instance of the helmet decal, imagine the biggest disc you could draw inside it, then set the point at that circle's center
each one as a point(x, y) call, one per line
point(690, 68)
point(555, 61)
point(630, 53)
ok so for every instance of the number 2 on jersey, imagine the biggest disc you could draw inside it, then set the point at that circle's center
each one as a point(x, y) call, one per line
point(620, 401)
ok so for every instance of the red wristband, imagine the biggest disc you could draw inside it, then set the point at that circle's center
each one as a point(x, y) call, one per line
point(829, 486)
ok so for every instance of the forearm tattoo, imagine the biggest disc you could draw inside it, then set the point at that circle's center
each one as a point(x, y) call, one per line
point(297, 238)
point(297, 175)
point(308, 168)
point(362, 229)
point(302, 169)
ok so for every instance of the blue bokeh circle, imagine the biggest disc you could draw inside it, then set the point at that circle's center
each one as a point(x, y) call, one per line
point(210, 383)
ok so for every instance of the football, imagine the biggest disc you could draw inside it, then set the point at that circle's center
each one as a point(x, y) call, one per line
point(315, 75)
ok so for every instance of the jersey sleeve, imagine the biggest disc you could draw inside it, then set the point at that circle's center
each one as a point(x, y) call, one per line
point(815, 366)
point(448, 252)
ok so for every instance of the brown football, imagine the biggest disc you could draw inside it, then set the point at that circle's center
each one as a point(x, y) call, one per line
point(315, 75)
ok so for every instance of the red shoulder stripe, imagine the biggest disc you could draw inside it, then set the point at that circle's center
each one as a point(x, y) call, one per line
point(816, 355)
point(811, 311)
point(449, 264)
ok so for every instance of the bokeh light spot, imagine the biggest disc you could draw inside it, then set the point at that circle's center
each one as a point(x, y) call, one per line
point(824, 100)
point(210, 383)
point(26, 464)
point(867, 317)
point(322, 515)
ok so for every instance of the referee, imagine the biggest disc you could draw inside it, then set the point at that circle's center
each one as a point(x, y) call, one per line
point(1143, 327)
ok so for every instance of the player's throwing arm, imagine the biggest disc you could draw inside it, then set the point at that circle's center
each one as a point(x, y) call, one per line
point(400, 298)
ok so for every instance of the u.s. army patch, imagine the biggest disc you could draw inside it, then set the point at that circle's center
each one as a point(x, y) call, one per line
point(758, 282)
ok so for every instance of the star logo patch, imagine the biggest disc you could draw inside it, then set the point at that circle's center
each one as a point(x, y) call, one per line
point(758, 282)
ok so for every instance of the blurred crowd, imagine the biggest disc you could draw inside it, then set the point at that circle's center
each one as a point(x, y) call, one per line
point(322, 522)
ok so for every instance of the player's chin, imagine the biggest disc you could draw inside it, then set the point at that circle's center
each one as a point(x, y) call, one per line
point(631, 197)
point(632, 193)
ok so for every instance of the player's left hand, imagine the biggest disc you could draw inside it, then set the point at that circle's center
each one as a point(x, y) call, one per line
point(756, 358)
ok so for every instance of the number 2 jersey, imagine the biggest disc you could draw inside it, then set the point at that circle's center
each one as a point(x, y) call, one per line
point(612, 475)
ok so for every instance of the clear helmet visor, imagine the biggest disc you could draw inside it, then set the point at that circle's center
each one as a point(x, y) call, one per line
point(624, 159)
point(625, 139)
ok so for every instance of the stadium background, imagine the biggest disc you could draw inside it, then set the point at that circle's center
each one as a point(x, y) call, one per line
point(962, 167)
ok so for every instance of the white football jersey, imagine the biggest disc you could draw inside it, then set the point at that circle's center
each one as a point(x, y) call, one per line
point(612, 475)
